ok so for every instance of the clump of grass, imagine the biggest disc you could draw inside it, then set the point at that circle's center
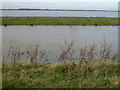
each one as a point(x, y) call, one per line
point(96, 24)
point(31, 24)
point(5, 25)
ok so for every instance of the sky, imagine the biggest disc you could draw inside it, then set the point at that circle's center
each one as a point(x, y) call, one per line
point(62, 4)
point(60, 0)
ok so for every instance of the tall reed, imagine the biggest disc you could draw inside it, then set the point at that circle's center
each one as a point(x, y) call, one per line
point(67, 53)
point(34, 54)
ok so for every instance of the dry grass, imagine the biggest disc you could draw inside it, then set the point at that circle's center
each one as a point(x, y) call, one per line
point(34, 54)
point(93, 74)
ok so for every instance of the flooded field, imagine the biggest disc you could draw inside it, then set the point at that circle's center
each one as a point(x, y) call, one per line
point(53, 40)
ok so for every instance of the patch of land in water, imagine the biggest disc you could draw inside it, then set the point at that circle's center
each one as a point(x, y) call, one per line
point(95, 21)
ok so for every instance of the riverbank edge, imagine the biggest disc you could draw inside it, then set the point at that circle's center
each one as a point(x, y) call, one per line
point(61, 21)
point(93, 74)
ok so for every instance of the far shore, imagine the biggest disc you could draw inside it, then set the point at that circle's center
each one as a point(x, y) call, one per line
point(61, 10)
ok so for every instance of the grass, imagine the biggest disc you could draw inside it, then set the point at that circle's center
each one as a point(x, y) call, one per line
point(96, 21)
point(93, 74)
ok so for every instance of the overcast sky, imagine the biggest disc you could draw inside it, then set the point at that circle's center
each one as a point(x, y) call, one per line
point(60, 0)
point(62, 4)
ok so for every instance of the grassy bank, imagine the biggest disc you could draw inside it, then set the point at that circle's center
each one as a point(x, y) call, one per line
point(94, 74)
point(97, 21)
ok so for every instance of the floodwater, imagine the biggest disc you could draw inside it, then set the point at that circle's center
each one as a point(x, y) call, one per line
point(52, 38)
point(29, 13)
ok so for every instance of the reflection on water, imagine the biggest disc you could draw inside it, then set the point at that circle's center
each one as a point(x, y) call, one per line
point(51, 38)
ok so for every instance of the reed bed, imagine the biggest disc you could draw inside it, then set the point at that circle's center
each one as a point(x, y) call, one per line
point(34, 54)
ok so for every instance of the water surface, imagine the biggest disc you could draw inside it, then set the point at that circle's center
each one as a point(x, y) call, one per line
point(29, 13)
point(52, 38)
